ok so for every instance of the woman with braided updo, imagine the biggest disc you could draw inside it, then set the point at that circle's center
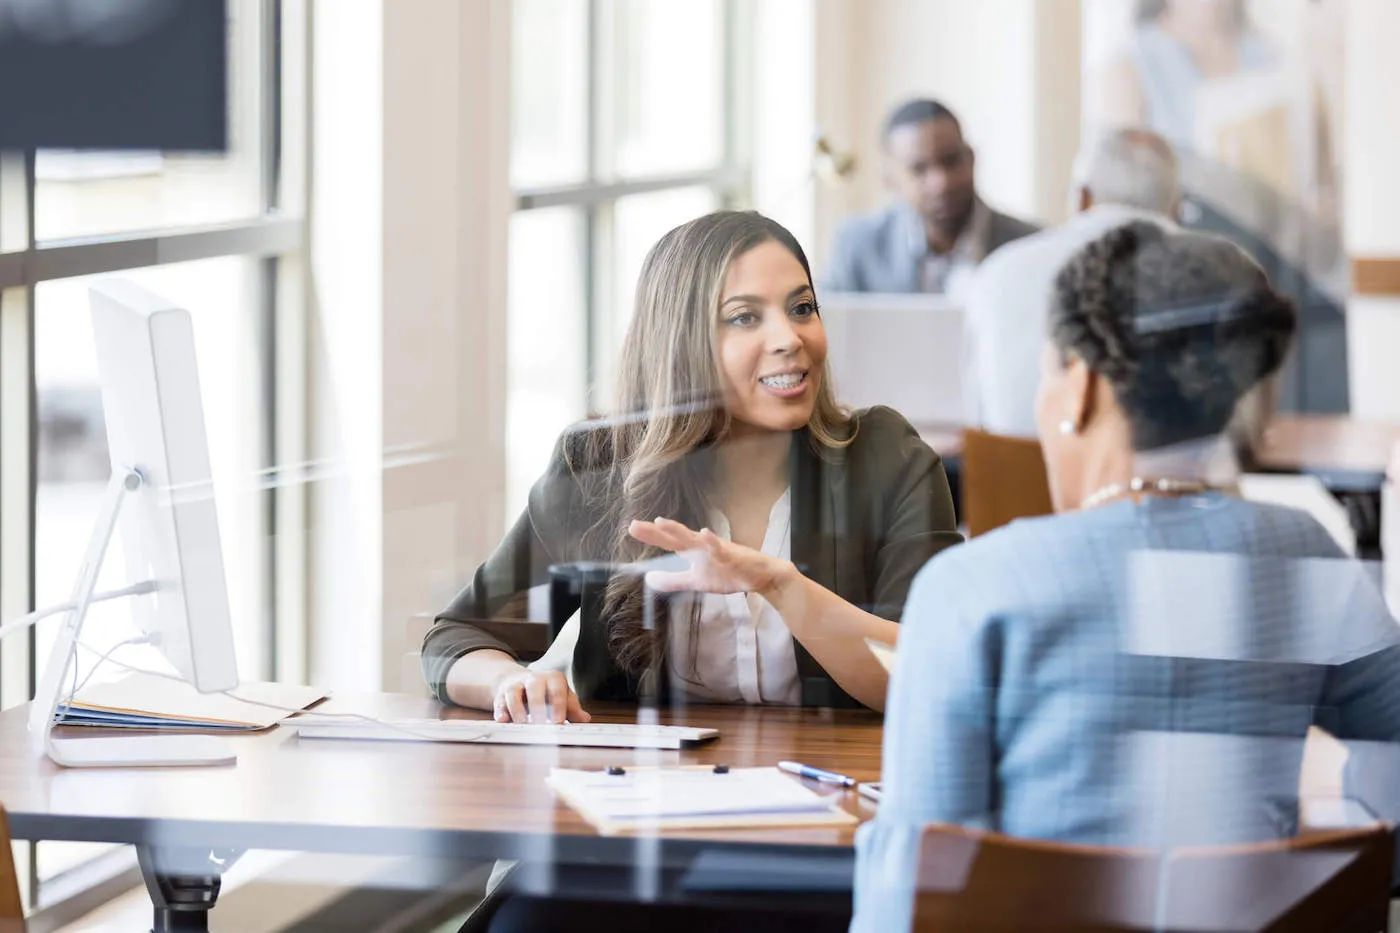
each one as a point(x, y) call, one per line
point(1140, 668)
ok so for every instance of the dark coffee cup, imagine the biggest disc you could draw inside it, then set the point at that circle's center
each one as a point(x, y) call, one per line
point(576, 587)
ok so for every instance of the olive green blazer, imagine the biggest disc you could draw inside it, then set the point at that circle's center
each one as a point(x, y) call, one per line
point(865, 519)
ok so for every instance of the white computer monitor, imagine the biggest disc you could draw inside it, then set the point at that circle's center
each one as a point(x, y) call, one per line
point(904, 351)
point(154, 416)
point(154, 413)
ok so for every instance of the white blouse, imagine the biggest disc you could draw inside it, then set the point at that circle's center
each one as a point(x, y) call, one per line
point(739, 650)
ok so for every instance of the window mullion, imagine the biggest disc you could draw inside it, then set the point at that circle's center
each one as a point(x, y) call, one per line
point(16, 489)
point(599, 120)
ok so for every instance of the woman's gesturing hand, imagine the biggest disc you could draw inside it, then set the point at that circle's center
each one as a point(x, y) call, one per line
point(716, 565)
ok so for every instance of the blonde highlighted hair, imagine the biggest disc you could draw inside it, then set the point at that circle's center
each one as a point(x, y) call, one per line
point(653, 456)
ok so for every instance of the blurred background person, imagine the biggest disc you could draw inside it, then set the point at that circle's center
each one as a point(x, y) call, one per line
point(1184, 57)
point(1255, 135)
point(938, 229)
point(1143, 667)
point(1126, 174)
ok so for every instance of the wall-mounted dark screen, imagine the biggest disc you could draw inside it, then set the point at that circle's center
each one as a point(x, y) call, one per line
point(113, 74)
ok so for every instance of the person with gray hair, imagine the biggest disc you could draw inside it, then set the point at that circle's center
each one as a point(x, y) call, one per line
point(1127, 174)
point(1131, 167)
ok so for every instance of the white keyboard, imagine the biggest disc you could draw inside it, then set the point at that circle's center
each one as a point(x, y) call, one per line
point(595, 735)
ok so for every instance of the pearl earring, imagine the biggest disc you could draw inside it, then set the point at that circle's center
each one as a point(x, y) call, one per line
point(1066, 427)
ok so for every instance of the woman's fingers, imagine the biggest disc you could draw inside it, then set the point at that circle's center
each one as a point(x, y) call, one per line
point(575, 710)
point(710, 541)
point(514, 693)
point(712, 558)
point(671, 536)
point(674, 527)
point(540, 698)
point(649, 533)
point(536, 699)
point(666, 582)
point(557, 687)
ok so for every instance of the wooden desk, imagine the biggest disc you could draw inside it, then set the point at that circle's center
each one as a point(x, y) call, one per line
point(442, 800)
point(1346, 454)
point(408, 798)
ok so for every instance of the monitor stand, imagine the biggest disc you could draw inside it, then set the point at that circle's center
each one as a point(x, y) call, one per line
point(143, 751)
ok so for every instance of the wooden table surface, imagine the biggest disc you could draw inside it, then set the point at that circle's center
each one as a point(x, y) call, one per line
point(1330, 445)
point(409, 798)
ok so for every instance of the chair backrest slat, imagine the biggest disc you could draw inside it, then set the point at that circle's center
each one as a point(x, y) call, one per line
point(1331, 882)
point(1003, 478)
point(11, 907)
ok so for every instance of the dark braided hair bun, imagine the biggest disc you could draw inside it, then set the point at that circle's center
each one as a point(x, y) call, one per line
point(1181, 325)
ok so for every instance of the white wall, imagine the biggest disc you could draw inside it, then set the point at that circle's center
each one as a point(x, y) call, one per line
point(783, 113)
point(410, 203)
point(345, 209)
point(1372, 199)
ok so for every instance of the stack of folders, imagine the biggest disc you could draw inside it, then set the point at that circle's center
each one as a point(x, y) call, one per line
point(146, 701)
point(699, 797)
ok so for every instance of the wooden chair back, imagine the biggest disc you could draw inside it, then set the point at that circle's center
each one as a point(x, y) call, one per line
point(1003, 478)
point(11, 908)
point(1325, 882)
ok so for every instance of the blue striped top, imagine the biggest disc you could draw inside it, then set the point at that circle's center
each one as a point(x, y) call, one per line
point(1139, 673)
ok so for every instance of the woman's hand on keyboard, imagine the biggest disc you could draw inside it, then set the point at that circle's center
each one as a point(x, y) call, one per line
point(528, 696)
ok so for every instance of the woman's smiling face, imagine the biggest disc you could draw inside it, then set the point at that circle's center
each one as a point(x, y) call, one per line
point(771, 342)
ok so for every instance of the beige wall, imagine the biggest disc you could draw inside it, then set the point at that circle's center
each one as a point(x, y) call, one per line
point(410, 205)
point(1372, 199)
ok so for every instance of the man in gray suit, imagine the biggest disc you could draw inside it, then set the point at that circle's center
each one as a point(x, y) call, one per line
point(938, 230)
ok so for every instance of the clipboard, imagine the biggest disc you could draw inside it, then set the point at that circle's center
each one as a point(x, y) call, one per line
point(693, 797)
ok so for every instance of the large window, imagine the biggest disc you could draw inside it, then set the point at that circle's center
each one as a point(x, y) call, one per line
point(220, 235)
point(624, 123)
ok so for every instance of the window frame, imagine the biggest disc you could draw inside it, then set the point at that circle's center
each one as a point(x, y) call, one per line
point(596, 195)
point(276, 237)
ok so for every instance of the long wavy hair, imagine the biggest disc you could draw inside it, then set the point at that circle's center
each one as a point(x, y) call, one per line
point(654, 456)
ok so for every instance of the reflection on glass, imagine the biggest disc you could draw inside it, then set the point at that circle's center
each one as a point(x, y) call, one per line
point(14, 220)
point(549, 92)
point(669, 92)
point(92, 193)
point(73, 464)
point(546, 336)
point(73, 467)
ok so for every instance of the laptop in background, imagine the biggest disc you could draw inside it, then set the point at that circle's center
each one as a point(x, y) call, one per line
point(904, 351)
